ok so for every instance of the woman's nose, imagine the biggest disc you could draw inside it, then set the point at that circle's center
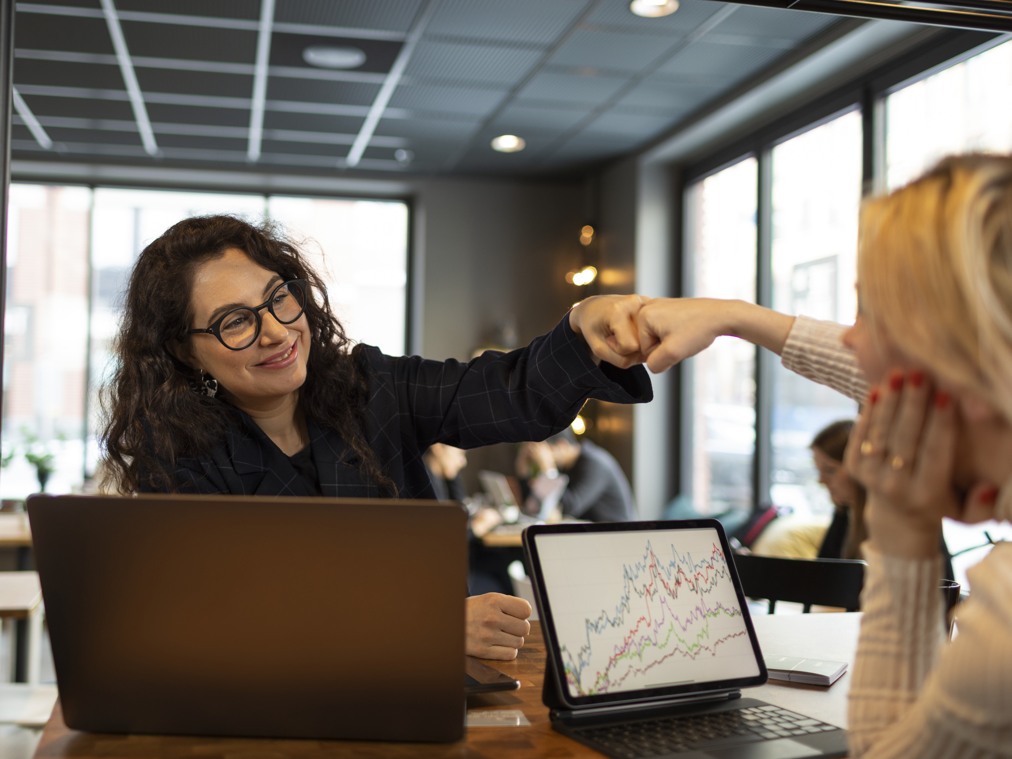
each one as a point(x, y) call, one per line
point(271, 329)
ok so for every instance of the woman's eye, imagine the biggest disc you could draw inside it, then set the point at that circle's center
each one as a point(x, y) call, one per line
point(281, 296)
point(237, 322)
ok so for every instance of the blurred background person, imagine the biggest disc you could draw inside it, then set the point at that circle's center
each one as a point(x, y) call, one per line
point(846, 530)
point(487, 568)
point(597, 491)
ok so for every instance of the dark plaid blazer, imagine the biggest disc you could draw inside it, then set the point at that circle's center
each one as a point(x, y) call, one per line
point(527, 394)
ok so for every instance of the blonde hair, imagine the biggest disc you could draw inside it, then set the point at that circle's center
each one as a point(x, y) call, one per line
point(935, 273)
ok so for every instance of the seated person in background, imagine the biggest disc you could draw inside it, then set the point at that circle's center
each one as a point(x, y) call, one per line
point(487, 569)
point(234, 376)
point(445, 463)
point(598, 490)
point(933, 338)
point(847, 529)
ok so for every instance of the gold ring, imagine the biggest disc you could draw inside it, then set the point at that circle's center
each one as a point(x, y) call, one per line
point(867, 448)
point(897, 463)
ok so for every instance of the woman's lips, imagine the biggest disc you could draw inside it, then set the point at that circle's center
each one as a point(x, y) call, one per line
point(283, 359)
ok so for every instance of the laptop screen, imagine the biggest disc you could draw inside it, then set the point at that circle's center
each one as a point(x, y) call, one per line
point(641, 611)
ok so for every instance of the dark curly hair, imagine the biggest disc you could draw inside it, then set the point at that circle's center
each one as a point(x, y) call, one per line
point(155, 412)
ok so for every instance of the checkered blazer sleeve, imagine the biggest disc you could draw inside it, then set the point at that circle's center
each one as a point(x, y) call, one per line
point(526, 394)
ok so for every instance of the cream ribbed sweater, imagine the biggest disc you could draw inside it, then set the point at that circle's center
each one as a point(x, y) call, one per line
point(912, 695)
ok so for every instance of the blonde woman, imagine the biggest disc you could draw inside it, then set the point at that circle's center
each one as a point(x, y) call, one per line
point(933, 337)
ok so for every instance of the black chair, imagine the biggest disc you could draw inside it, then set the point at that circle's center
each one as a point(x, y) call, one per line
point(821, 582)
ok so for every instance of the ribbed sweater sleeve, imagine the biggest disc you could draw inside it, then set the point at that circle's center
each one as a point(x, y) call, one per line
point(815, 350)
point(912, 694)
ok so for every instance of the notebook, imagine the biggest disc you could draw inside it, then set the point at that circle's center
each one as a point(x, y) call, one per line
point(244, 616)
point(649, 644)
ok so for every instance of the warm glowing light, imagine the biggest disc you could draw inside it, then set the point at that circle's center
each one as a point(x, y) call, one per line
point(586, 235)
point(579, 425)
point(508, 143)
point(653, 8)
point(582, 277)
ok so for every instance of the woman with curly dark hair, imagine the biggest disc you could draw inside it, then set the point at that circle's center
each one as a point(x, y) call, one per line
point(234, 376)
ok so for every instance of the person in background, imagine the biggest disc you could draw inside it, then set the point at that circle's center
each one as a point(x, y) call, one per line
point(597, 491)
point(847, 530)
point(487, 569)
point(235, 376)
point(933, 338)
point(445, 463)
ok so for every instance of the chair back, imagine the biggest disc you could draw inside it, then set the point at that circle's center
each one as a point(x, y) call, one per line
point(821, 582)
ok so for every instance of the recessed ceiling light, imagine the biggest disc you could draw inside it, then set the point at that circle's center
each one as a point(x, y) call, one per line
point(508, 143)
point(333, 57)
point(653, 8)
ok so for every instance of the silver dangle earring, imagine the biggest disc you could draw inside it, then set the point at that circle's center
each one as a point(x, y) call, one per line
point(209, 385)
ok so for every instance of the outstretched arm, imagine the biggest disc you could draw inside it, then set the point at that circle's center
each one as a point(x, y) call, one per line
point(674, 329)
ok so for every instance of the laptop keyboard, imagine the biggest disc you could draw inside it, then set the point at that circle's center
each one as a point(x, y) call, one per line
point(699, 731)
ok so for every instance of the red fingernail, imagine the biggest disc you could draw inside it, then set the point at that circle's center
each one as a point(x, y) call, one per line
point(916, 378)
point(896, 381)
point(873, 396)
point(989, 496)
point(941, 399)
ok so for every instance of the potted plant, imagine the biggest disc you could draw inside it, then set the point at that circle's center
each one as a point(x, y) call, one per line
point(35, 453)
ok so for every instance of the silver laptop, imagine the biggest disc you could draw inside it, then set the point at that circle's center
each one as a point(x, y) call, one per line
point(256, 616)
point(650, 644)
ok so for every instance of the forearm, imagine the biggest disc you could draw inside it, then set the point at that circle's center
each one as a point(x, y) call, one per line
point(814, 349)
point(758, 325)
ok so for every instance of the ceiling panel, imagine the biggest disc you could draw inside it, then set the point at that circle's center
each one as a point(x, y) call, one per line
point(198, 116)
point(493, 64)
point(577, 87)
point(319, 91)
point(74, 33)
point(583, 81)
point(83, 106)
point(372, 15)
point(87, 75)
point(208, 83)
point(236, 9)
point(606, 50)
point(537, 23)
point(432, 98)
point(188, 41)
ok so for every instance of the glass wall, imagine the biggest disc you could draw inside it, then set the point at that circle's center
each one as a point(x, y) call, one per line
point(70, 252)
point(720, 256)
point(816, 190)
point(969, 107)
point(804, 187)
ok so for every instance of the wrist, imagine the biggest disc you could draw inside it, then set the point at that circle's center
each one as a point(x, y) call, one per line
point(903, 538)
point(758, 325)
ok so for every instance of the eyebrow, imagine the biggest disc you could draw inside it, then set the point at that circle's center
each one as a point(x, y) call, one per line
point(224, 309)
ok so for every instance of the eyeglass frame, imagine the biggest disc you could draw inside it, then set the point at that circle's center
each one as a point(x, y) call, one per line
point(215, 327)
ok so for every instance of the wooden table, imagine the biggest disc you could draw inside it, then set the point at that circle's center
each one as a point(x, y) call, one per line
point(14, 530)
point(16, 534)
point(826, 635)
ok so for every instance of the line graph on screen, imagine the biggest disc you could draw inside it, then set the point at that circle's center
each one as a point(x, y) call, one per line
point(646, 610)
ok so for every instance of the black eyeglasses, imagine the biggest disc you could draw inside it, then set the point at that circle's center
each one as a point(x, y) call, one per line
point(239, 328)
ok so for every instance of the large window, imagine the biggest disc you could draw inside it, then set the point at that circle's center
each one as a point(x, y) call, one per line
point(721, 263)
point(967, 106)
point(70, 251)
point(816, 190)
point(789, 210)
